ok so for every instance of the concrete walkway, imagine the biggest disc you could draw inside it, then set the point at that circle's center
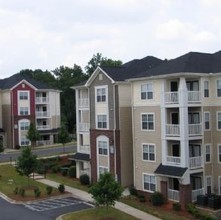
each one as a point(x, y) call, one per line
point(87, 197)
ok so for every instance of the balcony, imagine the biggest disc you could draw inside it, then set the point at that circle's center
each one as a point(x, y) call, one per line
point(195, 129)
point(86, 171)
point(175, 161)
point(196, 193)
point(194, 97)
point(45, 142)
point(42, 114)
point(173, 195)
point(43, 127)
point(41, 100)
point(171, 98)
point(83, 103)
point(84, 149)
point(195, 162)
point(84, 127)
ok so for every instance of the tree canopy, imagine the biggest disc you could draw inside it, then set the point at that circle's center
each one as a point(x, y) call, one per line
point(63, 136)
point(33, 134)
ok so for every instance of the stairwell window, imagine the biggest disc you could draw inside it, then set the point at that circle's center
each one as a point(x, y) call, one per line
point(101, 94)
point(206, 89)
point(24, 125)
point(208, 153)
point(218, 88)
point(207, 120)
point(102, 147)
point(23, 95)
point(102, 121)
point(147, 121)
point(219, 153)
point(148, 152)
point(23, 111)
point(149, 182)
point(147, 91)
point(219, 120)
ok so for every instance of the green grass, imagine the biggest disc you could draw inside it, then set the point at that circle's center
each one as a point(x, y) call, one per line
point(98, 214)
point(10, 179)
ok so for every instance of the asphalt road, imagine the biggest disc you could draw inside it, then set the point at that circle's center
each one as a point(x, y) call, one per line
point(19, 211)
point(41, 152)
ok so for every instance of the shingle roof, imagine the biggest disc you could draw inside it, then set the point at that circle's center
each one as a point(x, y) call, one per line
point(170, 170)
point(80, 156)
point(8, 83)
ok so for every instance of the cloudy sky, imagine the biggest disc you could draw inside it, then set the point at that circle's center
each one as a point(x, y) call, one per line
point(46, 34)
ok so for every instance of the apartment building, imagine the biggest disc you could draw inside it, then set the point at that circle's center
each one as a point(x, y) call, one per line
point(176, 118)
point(104, 125)
point(24, 100)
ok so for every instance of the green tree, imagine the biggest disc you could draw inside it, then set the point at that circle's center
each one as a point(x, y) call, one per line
point(33, 134)
point(1, 146)
point(63, 136)
point(26, 162)
point(106, 191)
point(99, 60)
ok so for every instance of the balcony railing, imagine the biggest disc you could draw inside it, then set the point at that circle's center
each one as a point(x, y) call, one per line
point(41, 100)
point(195, 129)
point(173, 195)
point(83, 103)
point(41, 114)
point(171, 97)
point(45, 142)
point(85, 149)
point(84, 127)
point(173, 160)
point(196, 193)
point(195, 162)
point(172, 130)
point(194, 96)
point(43, 127)
point(86, 171)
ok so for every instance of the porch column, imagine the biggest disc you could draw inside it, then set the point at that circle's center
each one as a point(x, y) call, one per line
point(185, 195)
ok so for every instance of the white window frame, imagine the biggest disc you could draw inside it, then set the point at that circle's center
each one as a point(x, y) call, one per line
point(155, 182)
point(219, 183)
point(217, 120)
point(146, 89)
point(209, 122)
point(24, 141)
point(102, 150)
point(24, 109)
point(218, 81)
point(21, 95)
point(206, 183)
point(219, 153)
point(148, 145)
point(148, 113)
point(206, 153)
point(101, 115)
point(24, 125)
point(104, 169)
point(99, 89)
point(206, 88)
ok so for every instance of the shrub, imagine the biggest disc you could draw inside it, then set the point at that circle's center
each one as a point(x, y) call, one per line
point(55, 169)
point(142, 198)
point(22, 192)
point(72, 171)
point(61, 188)
point(49, 190)
point(157, 198)
point(176, 206)
point(133, 191)
point(64, 172)
point(84, 179)
point(37, 192)
point(16, 190)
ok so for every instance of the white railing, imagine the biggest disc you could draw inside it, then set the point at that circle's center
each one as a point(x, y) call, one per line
point(84, 149)
point(173, 160)
point(195, 162)
point(46, 142)
point(84, 127)
point(195, 129)
point(196, 193)
point(42, 114)
point(41, 99)
point(83, 102)
point(172, 130)
point(87, 171)
point(194, 96)
point(43, 127)
point(173, 195)
point(171, 97)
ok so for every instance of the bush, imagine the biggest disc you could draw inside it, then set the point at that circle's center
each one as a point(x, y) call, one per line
point(49, 190)
point(176, 206)
point(55, 169)
point(133, 191)
point(157, 199)
point(84, 179)
point(22, 192)
point(37, 192)
point(61, 188)
point(16, 190)
point(72, 171)
point(142, 198)
point(64, 172)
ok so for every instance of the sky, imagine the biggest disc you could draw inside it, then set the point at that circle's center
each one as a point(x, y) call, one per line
point(46, 34)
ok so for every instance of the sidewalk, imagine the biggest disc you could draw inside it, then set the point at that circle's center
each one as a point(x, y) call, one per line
point(87, 197)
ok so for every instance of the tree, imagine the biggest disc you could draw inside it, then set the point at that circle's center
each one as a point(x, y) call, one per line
point(33, 134)
point(106, 191)
point(98, 60)
point(1, 146)
point(63, 136)
point(26, 162)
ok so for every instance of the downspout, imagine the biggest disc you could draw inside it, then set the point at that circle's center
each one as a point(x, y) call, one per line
point(114, 135)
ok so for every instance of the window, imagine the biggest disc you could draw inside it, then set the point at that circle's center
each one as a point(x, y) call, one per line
point(149, 152)
point(218, 88)
point(194, 117)
point(208, 184)
point(207, 120)
point(148, 121)
point(192, 85)
point(102, 170)
point(23, 111)
point(24, 125)
point(149, 182)
point(219, 184)
point(147, 91)
point(208, 153)
point(23, 95)
point(24, 141)
point(206, 89)
point(102, 121)
point(101, 94)
point(102, 147)
point(219, 120)
point(219, 153)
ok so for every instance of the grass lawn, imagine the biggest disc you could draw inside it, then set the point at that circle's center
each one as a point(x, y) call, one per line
point(10, 179)
point(99, 214)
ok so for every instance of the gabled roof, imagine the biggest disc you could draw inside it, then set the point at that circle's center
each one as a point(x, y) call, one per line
point(10, 82)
